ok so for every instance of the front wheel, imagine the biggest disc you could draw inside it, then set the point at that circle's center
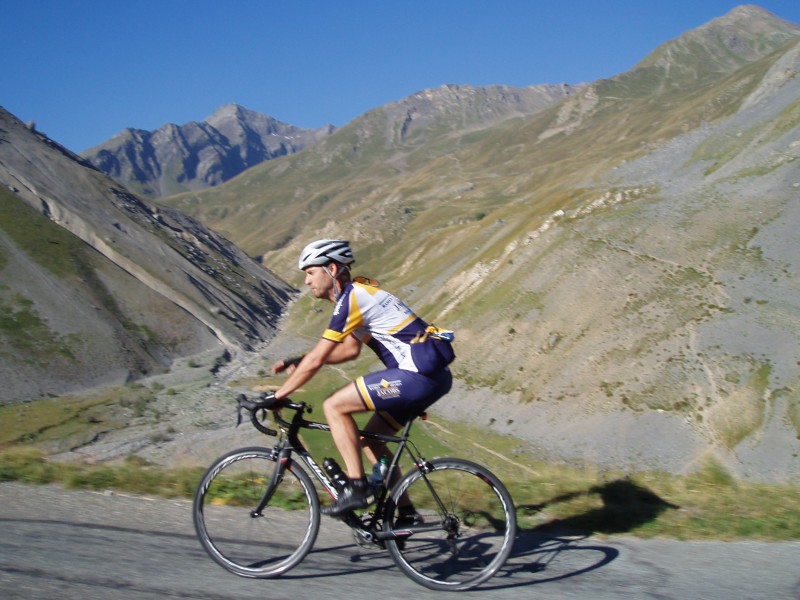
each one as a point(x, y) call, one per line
point(250, 543)
point(461, 529)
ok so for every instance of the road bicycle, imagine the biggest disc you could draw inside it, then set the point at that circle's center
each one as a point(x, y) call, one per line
point(448, 523)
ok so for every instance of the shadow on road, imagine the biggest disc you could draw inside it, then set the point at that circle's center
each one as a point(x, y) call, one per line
point(540, 558)
point(560, 548)
point(626, 506)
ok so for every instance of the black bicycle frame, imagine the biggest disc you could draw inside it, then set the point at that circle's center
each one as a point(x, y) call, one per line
point(292, 444)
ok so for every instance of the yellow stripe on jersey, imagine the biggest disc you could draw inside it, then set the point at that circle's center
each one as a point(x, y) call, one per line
point(354, 320)
point(354, 317)
point(334, 336)
point(400, 327)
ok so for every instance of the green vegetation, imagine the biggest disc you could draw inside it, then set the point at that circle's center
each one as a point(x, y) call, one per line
point(706, 505)
point(27, 334)
point(51, 246)
point(69, 421)
point(29, 465)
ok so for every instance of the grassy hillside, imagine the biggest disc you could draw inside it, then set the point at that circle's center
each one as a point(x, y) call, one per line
point(603, 260)
point(63, 323)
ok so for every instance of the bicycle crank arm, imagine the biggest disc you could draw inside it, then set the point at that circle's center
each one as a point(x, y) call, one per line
point(406, 532)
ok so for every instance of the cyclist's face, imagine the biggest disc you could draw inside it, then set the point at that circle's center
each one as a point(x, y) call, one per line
point(319, 282)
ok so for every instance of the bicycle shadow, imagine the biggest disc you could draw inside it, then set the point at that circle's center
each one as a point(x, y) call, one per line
point(560, 548)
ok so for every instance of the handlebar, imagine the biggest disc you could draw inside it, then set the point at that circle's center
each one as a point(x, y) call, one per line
point(268, 402)
point(265, 402)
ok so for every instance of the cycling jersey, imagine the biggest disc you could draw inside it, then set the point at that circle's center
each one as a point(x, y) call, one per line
point(412, 380)
point(380, 320)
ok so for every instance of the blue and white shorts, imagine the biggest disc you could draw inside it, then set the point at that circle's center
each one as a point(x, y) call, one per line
point(397, 395)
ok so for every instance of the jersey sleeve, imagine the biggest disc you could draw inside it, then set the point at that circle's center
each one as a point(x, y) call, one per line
point(347, 317)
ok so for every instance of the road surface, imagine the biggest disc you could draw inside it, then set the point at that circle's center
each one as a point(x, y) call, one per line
point(70, 544)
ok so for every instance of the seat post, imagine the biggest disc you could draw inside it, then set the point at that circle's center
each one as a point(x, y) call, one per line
point(407, 427)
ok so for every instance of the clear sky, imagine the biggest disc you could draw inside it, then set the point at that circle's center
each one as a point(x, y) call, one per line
point(86, 70)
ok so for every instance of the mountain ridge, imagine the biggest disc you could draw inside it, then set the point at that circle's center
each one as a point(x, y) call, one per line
point(198, 154)
point(738, 37)
point(205, 154)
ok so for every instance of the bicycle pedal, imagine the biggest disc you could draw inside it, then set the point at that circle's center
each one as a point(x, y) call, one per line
point(365, 539)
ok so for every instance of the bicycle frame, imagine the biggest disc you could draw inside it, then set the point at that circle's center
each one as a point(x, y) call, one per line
point(291, 444)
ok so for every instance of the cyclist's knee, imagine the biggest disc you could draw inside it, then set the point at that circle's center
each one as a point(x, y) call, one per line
point(342, 402)
point(330, 407)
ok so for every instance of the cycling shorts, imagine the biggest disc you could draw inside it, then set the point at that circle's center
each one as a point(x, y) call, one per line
point(397, 395)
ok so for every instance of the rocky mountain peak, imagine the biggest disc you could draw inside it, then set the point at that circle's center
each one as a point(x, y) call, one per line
point(751, 17)
point(453, 107)
point(199, 154)
point(745, 34)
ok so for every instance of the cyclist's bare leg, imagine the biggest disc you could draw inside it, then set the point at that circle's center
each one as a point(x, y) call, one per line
point(374, 449)
point(339, 408)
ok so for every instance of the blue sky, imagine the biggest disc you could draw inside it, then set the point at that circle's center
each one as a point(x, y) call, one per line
point(86, 70)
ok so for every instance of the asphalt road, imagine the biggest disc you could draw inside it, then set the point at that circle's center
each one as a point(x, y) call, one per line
point(68, 544)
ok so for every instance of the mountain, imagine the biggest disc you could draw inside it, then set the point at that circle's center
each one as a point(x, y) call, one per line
point(198, 155)
point(100, 286)
point(356, 169)
point(621, 266)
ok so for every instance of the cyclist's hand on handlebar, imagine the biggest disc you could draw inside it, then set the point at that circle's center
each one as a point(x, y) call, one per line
point(266, 401)
point(269, 401)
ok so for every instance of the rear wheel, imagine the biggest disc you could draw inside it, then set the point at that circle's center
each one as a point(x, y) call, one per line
point(462, 529)
point(255, 545)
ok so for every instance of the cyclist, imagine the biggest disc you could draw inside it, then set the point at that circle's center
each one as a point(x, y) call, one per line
point(414, 354)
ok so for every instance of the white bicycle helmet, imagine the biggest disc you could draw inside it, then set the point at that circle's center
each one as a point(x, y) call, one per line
point(321, 252)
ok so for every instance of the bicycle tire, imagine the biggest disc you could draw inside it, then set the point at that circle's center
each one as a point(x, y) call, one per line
point(478, 530)
point(262, 546)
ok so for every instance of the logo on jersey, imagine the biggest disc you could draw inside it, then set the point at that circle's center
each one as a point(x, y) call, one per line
point(338, 308)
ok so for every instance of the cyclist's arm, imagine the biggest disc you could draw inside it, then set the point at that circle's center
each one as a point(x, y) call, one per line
point(348, 349)
point(326, 351)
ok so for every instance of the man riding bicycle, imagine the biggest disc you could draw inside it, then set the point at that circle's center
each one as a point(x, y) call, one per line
point(415, 356)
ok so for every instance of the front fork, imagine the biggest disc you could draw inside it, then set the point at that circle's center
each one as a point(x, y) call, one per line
point(282, 462)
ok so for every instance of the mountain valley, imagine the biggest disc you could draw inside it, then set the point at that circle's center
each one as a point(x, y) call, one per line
point(619, 259)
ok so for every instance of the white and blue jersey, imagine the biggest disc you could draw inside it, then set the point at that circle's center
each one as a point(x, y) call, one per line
point(378, 319)
point(386, 325)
